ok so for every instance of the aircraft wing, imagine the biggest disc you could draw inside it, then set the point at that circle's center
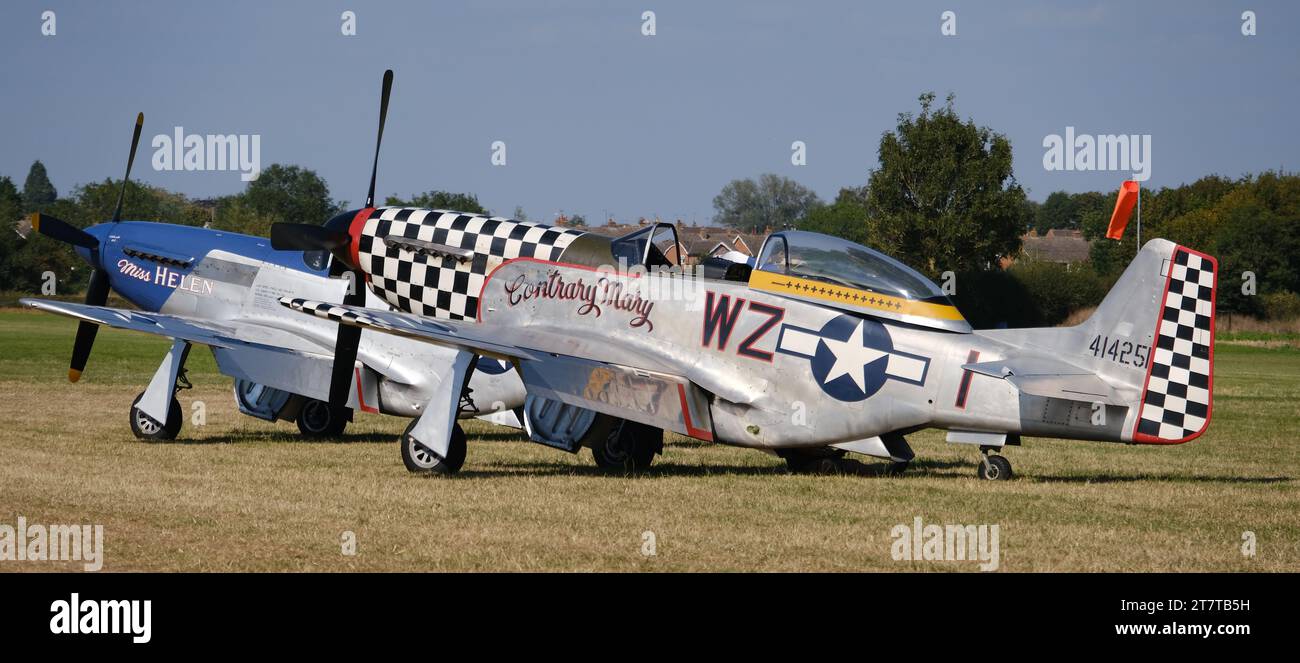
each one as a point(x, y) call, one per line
point(205, 332)
point(533, 342)
point(461, 337)
point(605, 378)
point(243, 349)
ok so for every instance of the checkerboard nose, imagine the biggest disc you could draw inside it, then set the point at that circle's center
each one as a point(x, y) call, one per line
point(435, 262)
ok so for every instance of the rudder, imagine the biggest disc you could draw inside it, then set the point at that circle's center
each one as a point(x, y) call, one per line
point(1176, 397)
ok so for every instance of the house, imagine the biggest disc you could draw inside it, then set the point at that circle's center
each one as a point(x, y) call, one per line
point(1059, 245)
point(698, 241)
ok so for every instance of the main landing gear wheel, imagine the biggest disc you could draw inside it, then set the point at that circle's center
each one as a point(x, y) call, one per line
point(145, 428)
point(418, 458)
point(994, 468)
point(629, 447)
point(318, 419)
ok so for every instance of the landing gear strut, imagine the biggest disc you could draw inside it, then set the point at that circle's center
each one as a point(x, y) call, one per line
point(993, 467)
point(168, 380)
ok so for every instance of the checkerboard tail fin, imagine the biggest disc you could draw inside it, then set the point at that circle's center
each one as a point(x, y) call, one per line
point(1164, 306)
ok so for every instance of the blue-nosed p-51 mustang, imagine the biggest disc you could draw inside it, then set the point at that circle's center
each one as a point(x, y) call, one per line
point(221, 289)
point(824, 346)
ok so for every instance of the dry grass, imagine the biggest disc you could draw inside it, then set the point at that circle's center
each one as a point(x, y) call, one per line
point(243, 495)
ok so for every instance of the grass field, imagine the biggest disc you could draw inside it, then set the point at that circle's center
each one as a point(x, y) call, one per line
point(238, 494)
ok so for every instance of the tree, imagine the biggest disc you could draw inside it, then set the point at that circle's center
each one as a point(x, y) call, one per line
point(95, 203)
point(578, 221)
point(1253, 237)
point(1058, 211)
point(519, 213)
point(441, 200)
point(846, 217)
point(291, 193)
point(11, 208)
point(38, 191)
point(944, 197)
point(233, 213)
point(771, 202)
point(24, 262)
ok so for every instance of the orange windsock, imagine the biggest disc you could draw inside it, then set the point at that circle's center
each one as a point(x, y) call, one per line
point(1128, 196)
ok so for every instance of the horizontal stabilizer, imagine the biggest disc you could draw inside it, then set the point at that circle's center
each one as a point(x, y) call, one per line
point(1052, 378)
point(1088, 388)
point(1025, 367)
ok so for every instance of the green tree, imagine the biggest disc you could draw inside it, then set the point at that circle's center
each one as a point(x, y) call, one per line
point(1253, 238)
point(95, 203)
point(944, 197)
point(1058, 211)
point(24, 262)
point(233, 213)
point(38, 191)
point(441, 200)
point(11, 208)
point(578, 221)
point(772, 201)
point(291, 193)
point(846, 217)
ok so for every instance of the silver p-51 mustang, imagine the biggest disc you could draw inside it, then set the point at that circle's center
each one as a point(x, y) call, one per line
point(824, 346)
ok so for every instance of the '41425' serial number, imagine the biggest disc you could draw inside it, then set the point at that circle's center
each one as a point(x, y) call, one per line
point(1122, 352)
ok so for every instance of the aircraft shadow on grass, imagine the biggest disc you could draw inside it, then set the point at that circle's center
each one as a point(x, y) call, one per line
point(1172, 478)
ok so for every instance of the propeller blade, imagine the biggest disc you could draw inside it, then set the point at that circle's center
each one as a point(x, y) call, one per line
point(96, 295)
point(345, 357)
point(345, 346)
point(57, 229)
point(135, 142)
point(306, 237)
point(383, 114)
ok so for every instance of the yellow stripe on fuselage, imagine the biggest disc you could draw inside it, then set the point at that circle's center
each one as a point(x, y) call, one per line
point(794, 286)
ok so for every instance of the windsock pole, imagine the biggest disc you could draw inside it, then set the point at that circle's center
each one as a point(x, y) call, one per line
point(1139, 232)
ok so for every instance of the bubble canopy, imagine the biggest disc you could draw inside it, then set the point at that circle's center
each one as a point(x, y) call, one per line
point(839, 261)
point(847, 275)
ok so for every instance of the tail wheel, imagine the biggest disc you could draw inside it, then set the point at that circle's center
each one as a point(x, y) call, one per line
point(146, 428)
point(318, 419)
point(994, 468)
point(419, 458)
point(629, 447)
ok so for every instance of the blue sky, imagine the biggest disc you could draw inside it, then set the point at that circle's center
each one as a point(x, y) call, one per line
point(598, 118)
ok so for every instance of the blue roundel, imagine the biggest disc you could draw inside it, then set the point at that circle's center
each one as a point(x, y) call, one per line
point(852, 358)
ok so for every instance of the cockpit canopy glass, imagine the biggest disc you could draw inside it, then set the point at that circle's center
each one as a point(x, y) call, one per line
point(652, 246)
point(833, 260)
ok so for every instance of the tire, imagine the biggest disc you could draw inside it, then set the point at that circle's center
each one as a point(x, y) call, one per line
point(628, 447)
point(418, 459)
point(316, 419)
point(995, 468)
point(145, 428)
